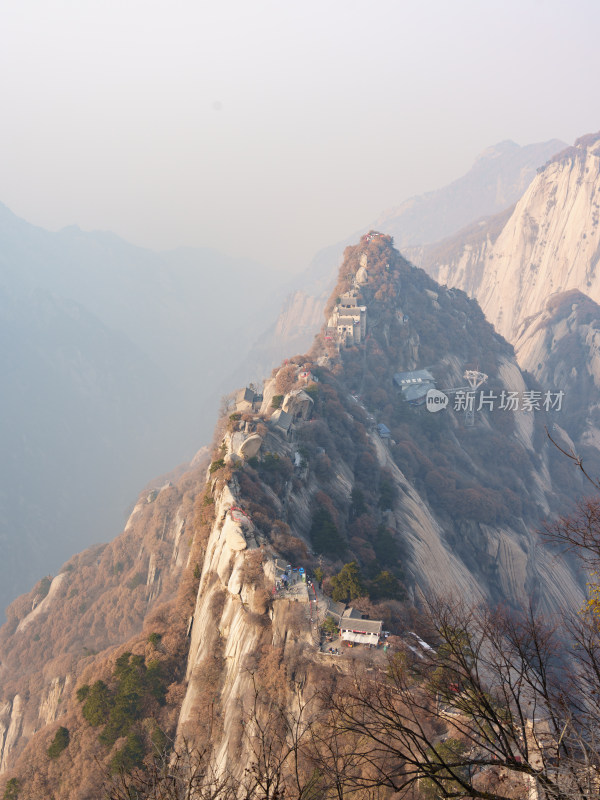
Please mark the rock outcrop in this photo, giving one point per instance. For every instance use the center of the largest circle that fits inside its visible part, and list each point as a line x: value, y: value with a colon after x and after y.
x: 561, y: 346
x: 549, y: 244
x: 11, y: 726
x: 497, y: 179
x: 101, y: 599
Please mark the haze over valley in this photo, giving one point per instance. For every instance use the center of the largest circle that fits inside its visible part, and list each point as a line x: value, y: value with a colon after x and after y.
x: 299, y: 416
x: 160, y: 337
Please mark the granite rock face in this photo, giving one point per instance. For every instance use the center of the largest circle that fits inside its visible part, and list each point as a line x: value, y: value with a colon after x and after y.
x: 550, y: 243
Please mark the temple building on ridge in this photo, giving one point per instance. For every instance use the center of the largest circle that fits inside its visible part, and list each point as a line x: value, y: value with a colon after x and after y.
x: 348, y: 321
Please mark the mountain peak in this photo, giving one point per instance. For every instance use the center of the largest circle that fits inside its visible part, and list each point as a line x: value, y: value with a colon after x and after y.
x: 587, y: 140
x: 588, y: 143
x: 497, y: 150
x: 548, y: 244
x: 496, y: 180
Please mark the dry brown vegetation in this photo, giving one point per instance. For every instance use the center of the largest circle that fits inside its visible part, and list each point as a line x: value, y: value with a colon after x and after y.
x: 252, y: 572
x: 286, y: 379
x: 101, y: 605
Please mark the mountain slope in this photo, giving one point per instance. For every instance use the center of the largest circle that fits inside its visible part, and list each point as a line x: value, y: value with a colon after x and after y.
x: 550, y: 243
x: 306, y: 477
x: 496, y: 180
x: 65, y: 632
x: 561, y: 346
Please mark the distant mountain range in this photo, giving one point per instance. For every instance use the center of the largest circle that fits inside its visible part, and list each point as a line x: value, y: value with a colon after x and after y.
x: 535, y: 270
x: 113, y: 362
x: 496, y: 180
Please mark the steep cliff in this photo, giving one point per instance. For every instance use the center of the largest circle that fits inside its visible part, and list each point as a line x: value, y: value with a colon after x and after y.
x: 561, y: 346
x: 75, y: 626
x: 549, y: 244
x: 181, y: 628
x: 496, y: 180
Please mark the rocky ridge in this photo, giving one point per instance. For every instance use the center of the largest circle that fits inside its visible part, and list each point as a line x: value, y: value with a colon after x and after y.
x: 328, y: 465
x: 497, y: 179
x: 549, y: 244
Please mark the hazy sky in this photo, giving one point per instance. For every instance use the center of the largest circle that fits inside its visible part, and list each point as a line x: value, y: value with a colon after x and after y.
x: 271, y: 129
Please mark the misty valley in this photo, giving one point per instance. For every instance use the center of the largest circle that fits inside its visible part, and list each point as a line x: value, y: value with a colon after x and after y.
x: 330, y: 538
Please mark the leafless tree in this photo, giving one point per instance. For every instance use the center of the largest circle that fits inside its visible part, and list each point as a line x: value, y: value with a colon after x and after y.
x: 335, y: 751
x: 183, y: 773
x: 578, y: 532
x: 278, y: 762
x: 276, y: 739
x: 502, y: 707
x: 497, y: 710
